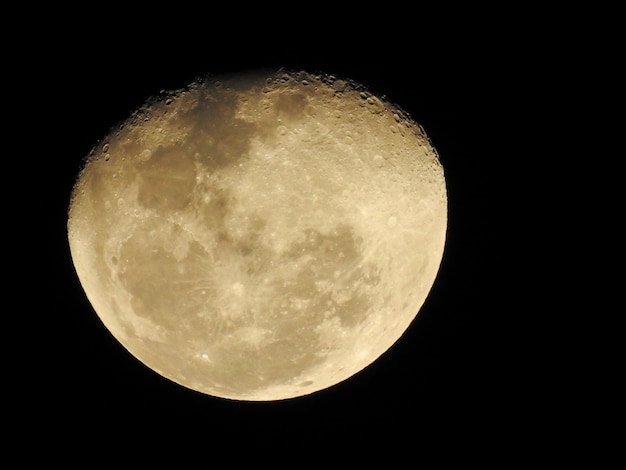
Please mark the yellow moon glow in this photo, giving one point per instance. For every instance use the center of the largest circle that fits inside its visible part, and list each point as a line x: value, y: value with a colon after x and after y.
x: 260, y: 236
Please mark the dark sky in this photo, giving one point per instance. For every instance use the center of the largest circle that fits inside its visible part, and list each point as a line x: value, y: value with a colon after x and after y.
x: 449, y: 378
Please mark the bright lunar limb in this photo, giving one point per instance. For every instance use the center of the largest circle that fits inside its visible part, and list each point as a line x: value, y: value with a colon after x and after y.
x: 261, y: 236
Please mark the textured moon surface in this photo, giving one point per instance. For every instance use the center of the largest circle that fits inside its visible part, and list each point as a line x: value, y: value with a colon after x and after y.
x: 260, y: 236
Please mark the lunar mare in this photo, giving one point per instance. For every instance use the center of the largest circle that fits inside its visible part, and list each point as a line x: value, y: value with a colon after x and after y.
x: 260, y: 237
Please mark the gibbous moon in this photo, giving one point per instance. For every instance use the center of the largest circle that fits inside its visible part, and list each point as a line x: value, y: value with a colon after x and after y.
x: 260, y: 237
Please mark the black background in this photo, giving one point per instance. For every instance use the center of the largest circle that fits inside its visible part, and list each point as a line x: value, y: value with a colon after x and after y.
x: 453, y: 385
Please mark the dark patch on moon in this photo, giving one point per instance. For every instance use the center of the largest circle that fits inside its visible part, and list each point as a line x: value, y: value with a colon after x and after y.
x: 214, y: 133
x: 291, y: 105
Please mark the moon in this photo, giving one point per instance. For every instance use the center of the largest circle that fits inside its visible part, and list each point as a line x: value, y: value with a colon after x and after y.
x: 260, y: 236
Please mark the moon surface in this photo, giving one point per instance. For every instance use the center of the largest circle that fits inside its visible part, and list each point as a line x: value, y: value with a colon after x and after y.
x: 260, y: 236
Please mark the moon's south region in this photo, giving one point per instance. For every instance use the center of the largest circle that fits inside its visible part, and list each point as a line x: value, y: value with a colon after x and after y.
x: 261, y: 236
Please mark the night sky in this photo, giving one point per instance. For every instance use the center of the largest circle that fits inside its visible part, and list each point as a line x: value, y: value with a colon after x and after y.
x: 449, y: 379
